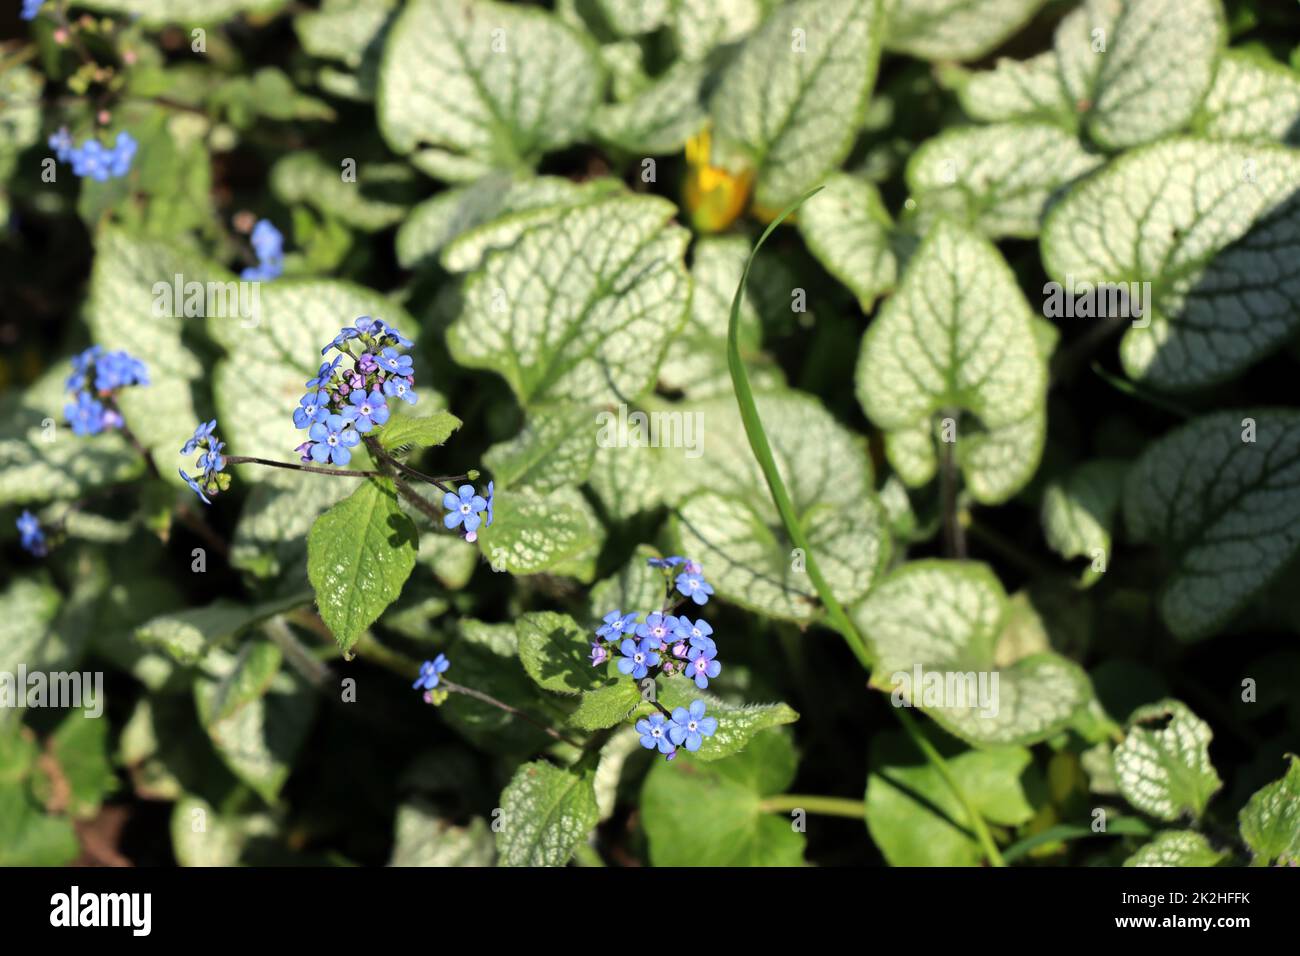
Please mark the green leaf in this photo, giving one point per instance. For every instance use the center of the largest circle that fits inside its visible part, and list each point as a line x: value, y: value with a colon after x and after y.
x: 606, y: 706
x: 1177, y: 848
x: 738, y: 724
x: 1223, y: 510
x: 377, y: 198
x: 79, y: 749
x: 271, y: 537
x: 469, y: 87
x: 914, y: 817
x: 795, y: 95
x: 555, y: 651
x: 1138, y: 69
x: 132, y: 280
x: 696, y: 363
x: 424, y: 838
x: 531, y: 534
x: 659, y: 119
x: 633, y: 17
x: 546, y: 811
x: 955, y: 29
x: 359, y: 555
x: 600, y: 340
x: 204, y: 836
x: 1214, y: 241
x: 28, y: 610
x: 726, y: 825
x: 1078, y: 511
x: 1016, y: 90
x: 428, y: 432
x: 30, y: 838
x: 344, y: 30
x: 438, y: 221
x: 1163, y: 764
x: 1253, y: 98
x: 700, y: 26
x: 156, y: 13
x: 1270, y: 820
x: 20, y: 126
x: 947, y: 618
x: 734, y: 530
x: 40, y: 458
x: 554, y: 449
x: 958, y: 334
x: 187, y: 635
x: 270, y: 359
x: 997, y: 178
x: 848, y: 229
x: 257, y: 715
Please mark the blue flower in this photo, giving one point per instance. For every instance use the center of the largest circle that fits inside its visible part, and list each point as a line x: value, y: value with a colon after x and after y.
x: 123, y: 152
x: 617, y: 624
x: 60, y: 142
x: 398, y: 387
x: 637, y: 658
x: 702, y: 666
x: 333, y: 437
x: 694, y: 587
x: 30, y: 8
x: 81, y: 365
x: 198, y: 490
x: 658, y: 628
x: 697, y: 632
x: 262, y: 272
x: 212, y: 461
x: 430, y: 671
x: 201, y: 435
x: 691, y: 726
x: 490, y: 497
x: 398, y: 337
x: 115, y: 370
x: 268, y: 242
x: 394, y: 363
x: 463, y: 509
x: 654, y: 733
x: 367, y: 411
x: 86, y: 416
x: 344, y: 336
x: 93, y: 160
x: 669, y: 562
x: 325, y: 373
x: 32, y: 537
x: 312, y: 408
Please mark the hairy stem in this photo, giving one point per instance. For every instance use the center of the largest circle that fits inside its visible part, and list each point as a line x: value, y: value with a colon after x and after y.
x: 295, y: 466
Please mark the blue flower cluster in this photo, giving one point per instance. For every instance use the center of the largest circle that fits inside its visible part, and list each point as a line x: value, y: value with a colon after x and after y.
x: 342, y: 404
x: 465, y: 509
x: 97, y: 376
x: 663, y: 639
x: 92, y: 158
x: 268, y: 246
x: 686, y: 727
x: 31, y: 8
x: 211, y: 463
x: 32, y: 536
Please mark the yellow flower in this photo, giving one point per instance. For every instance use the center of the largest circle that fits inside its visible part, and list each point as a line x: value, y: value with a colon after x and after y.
x: 715, y: 196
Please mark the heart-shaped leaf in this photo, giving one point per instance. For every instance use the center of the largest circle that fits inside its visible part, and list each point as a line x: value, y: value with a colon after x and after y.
x: 957, y: 335
x: 1218, y: 497
x: 1270, y: 820
x: 1180, y: 848
x: 955, y: 29
x: 546, y: 811
x: 849, y: 230
x: 1163, y: 764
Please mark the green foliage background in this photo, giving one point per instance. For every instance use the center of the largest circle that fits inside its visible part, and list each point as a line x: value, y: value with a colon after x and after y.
x: 557, y: 203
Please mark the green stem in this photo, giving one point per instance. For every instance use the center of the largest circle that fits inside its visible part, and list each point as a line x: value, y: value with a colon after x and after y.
x: 1124, y: 826
x: 827, y: 806
x: 936, y: 759
x: 835, y: 614
x: 584, y: 854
